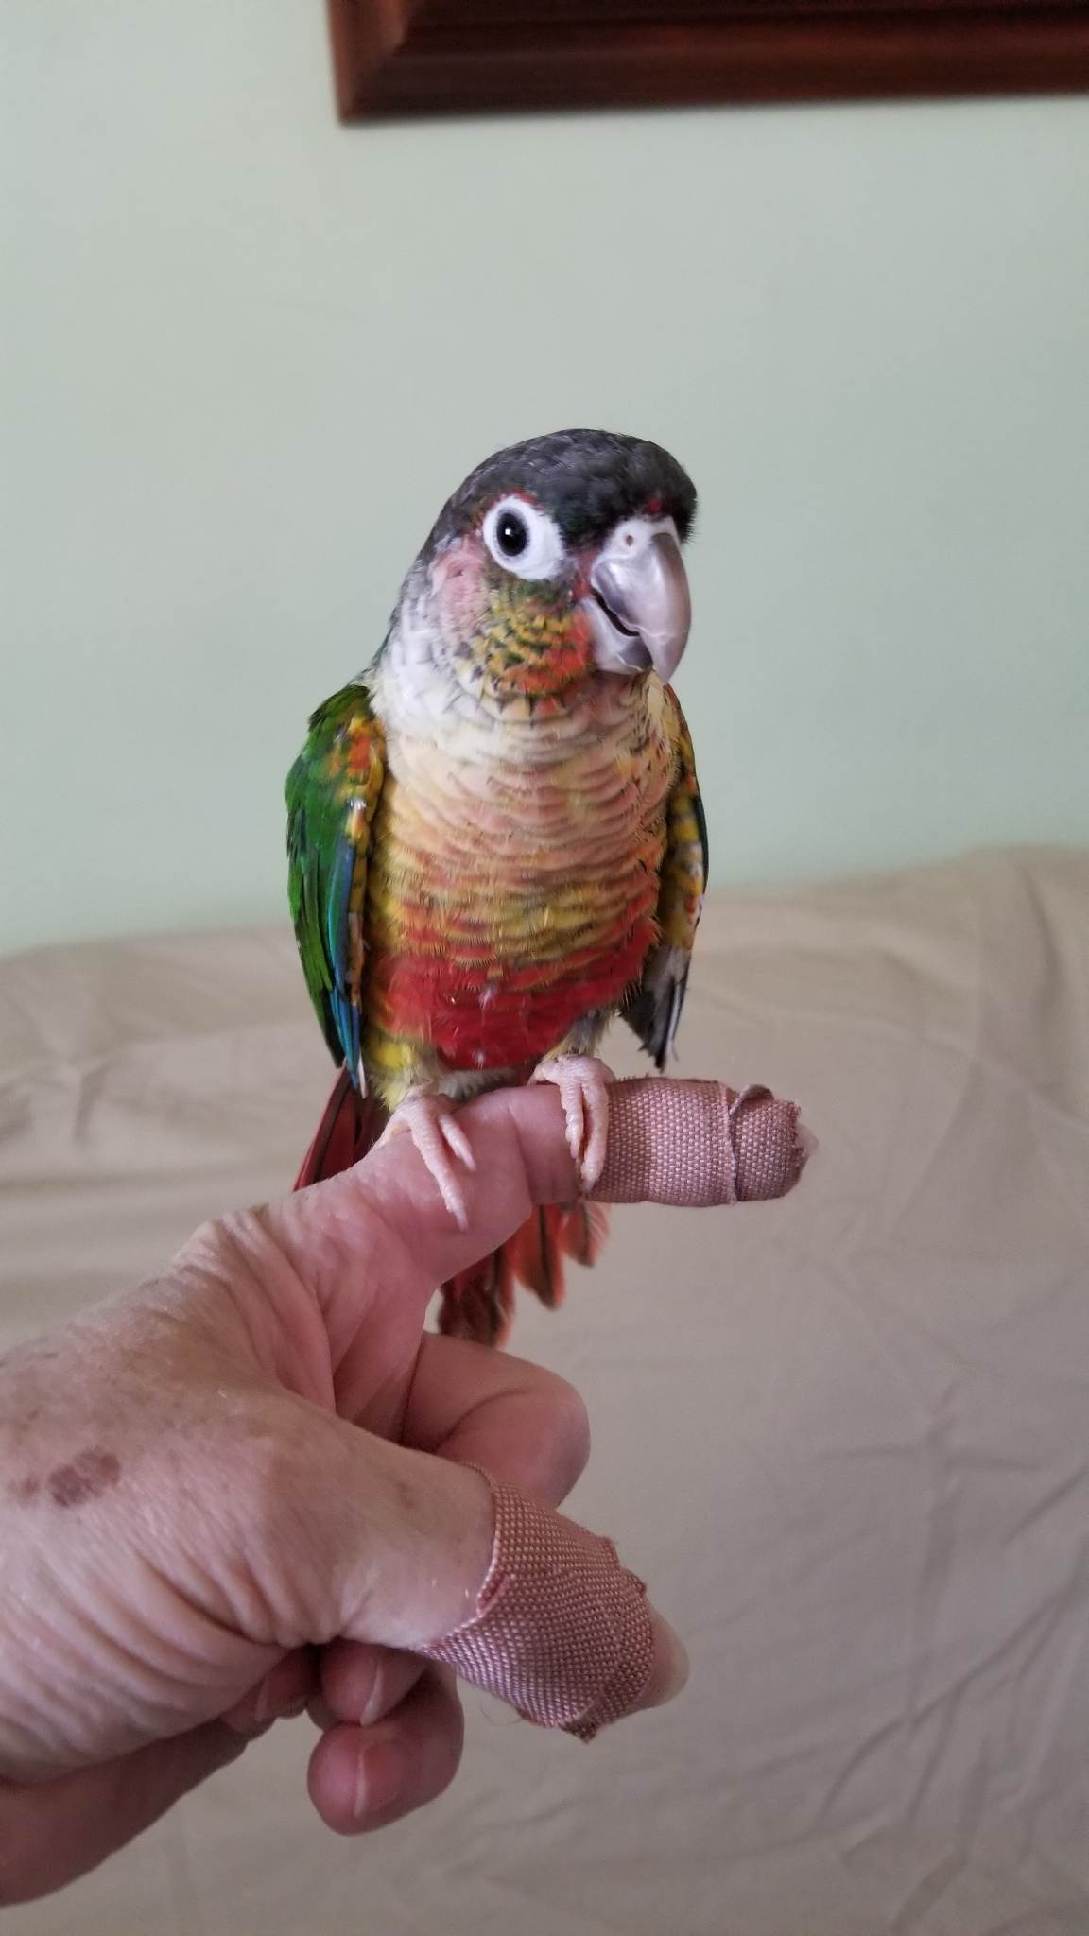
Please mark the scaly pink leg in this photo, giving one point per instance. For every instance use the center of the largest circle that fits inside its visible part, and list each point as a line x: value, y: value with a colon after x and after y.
x: 583, y: 1083
x: 431, y: 1123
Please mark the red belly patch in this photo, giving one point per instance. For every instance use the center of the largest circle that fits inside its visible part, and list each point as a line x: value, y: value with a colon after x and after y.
x: 500, y: 1015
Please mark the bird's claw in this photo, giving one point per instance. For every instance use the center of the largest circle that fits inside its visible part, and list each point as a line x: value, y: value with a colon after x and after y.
x: 583, y: 1082
x: 441, y: 1142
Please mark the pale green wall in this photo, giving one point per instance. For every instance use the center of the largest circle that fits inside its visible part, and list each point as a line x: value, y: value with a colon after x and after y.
x: 251, y: 352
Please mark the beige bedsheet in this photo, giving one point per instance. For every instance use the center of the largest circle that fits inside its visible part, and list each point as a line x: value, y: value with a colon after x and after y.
x: 845, y: 1437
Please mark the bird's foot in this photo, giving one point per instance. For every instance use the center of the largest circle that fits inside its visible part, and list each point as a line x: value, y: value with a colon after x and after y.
x: 443, y: 1144
x: 583, y: 1083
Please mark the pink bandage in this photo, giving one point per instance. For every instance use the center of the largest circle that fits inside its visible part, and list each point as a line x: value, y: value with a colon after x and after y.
x: 562, y: 1631
x: 699, y: 1143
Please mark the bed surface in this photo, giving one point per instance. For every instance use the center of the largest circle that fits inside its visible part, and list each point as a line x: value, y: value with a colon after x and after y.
x: 844, y: 1437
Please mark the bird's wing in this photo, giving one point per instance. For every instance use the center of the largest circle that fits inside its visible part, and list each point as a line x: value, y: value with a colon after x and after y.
x: 654, y: 1008
x: 333, y: 791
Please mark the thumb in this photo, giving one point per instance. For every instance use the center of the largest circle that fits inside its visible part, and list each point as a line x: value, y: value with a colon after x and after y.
x: 437, y: 1559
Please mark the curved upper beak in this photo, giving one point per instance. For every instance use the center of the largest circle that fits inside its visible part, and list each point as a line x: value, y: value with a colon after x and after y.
x: 639, y: 606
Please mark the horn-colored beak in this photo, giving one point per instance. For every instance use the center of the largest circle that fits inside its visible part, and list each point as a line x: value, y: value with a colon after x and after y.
x: 640, y: 607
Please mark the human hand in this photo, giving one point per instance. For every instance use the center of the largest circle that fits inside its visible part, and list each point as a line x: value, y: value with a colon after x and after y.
x: 243, y: 1488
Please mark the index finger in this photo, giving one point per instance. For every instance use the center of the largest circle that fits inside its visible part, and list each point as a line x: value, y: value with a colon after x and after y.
x: 378, y: 1238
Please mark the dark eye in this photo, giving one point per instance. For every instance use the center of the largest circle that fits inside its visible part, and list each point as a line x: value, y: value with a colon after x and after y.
x: 511, y: 534
x: 523, y: 539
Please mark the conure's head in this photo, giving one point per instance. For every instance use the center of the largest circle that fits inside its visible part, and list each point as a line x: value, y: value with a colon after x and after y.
x: 555, y: 560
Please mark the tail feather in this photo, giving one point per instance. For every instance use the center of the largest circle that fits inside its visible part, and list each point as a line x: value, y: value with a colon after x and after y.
x: 534, y: 1256
x: 350, y: 1125
x: 583, y: 1230
x: 478, y: 1302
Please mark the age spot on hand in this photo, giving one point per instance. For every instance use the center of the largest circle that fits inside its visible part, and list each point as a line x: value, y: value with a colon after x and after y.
x: 86, y: 1476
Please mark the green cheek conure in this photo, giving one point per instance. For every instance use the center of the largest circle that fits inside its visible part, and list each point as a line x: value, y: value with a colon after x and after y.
x: 495, y: 835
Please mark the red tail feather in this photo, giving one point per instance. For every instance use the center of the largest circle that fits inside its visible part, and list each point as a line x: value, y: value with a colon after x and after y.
x: 477, y: 1303
x: 350, y: 1125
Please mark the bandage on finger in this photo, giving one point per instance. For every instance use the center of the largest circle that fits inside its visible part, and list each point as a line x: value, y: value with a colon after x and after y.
x: 695, y: 1144
x: 561, y: 1630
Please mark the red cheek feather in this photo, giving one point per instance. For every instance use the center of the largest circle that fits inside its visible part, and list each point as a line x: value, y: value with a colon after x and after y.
x: 457, y: 576
x: 457, y: 562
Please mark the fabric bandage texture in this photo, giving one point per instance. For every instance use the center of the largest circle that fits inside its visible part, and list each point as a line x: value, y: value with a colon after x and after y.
x: 695, y: 1144
x: 561, y: 1631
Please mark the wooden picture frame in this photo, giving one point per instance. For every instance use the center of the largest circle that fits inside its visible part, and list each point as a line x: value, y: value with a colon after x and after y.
x: 413, y: 57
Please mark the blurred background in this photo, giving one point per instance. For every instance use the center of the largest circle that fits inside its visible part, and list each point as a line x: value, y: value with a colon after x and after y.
x: 250, y: 352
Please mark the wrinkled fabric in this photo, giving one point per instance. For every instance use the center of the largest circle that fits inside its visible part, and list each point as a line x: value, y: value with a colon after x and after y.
x: 844, y: 1437
x: 561, y: 1630
x: 699, y: 1145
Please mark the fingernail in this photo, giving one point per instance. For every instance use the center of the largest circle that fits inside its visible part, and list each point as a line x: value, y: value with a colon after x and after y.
x: 381, y: 1776
x: 670, y: 1670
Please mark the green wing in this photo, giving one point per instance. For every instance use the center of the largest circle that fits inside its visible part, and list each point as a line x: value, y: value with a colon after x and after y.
x: 654, y: 1008
x: 333, y: 791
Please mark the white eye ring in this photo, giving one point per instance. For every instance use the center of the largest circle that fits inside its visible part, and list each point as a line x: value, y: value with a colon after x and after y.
x: 542, y: 554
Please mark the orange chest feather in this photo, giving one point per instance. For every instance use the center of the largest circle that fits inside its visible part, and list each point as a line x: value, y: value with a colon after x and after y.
x: 506, y: 903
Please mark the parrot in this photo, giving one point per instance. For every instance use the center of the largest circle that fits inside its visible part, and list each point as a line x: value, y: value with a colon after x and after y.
x: 496, y: 842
